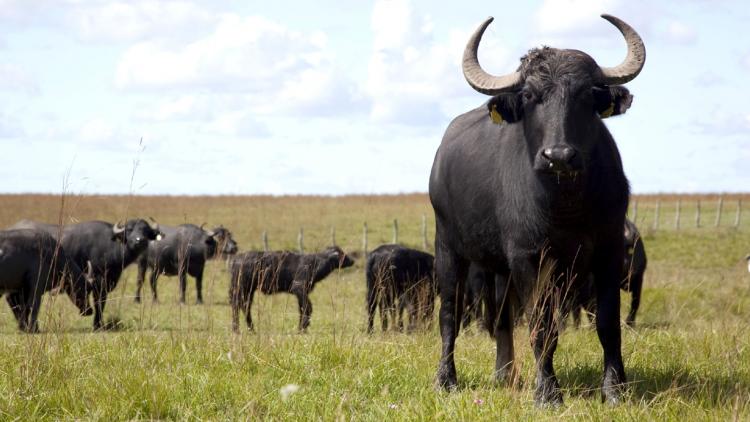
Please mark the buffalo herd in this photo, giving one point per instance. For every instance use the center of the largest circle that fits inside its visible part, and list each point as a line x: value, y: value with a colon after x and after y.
x: 529, y: 196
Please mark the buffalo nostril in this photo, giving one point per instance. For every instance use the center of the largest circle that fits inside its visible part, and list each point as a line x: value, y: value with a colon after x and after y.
x: 558, y: 155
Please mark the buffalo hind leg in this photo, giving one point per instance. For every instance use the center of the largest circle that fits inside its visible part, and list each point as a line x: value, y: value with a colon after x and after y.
x: 199, y: 287
x: 635, y: 301
x: 183, y: 285
x: 17, y: 305
x: 451, y: 271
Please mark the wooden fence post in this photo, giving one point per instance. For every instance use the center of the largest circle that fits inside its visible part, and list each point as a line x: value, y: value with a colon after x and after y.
x: 265, y: 241
x: 364, y: 239
x: 718, y: 211
x: 424, y: 232
x: 333, y: 236
x: 301, y: 240
x: 656, y: 214
x: 677, y: 214
x: 738, y: 214
x: 395, y: 231
x: 698, y: 214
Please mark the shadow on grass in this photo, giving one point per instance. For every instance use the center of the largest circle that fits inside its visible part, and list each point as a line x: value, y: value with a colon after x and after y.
x: 646, y: 384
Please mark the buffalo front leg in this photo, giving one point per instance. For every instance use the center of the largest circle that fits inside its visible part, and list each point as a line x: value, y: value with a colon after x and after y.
x: 451, y: 271
x: 305, y: 310
x: 152, y: 281
x: 543, y: 333
x: 139, y: 282
x: 100, y: 298
x: 608, y: 324
x: 505, y: 371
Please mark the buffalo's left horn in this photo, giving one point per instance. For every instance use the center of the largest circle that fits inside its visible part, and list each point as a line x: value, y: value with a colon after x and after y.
x: 118, y: 228
x: 476, y: 76
x: 633, y: 63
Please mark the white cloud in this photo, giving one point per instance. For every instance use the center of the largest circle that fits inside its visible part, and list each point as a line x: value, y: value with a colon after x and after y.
x: 411, y: 74
x: 14, y: 78
x: 745, y: 61
x: 269, y: 67
x: 132, y: 20
x: 571, y: 16
x: 680, y: 33
x: 10, y: 127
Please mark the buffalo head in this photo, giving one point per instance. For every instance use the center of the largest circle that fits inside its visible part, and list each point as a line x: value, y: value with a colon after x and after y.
x: 559, y: 96
x: 135, y: 234
x: 344, y: 260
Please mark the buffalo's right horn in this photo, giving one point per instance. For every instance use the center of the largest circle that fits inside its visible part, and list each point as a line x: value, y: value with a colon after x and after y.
x: 153, y: 224
x: 476, y: 76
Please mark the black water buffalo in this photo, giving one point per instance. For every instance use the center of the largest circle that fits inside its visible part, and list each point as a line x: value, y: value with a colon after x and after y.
x: 531, y: 186
x: 633, y: 269
x: 183, y: 251
x: 109, y: 247
x: 31, y: 263
x: 400, y: 277
x: 280, y: 271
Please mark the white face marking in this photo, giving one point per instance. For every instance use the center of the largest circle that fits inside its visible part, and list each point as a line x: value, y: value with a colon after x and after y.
x: 158, y: 237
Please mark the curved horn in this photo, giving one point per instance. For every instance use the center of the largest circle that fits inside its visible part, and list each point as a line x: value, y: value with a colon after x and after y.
x: 476, y: 76
x: 153, y: 224
x: 118, y: 228
x: 633, y: 63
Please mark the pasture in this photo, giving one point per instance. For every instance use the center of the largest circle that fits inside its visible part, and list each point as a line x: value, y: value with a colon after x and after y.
x: 688, y: 357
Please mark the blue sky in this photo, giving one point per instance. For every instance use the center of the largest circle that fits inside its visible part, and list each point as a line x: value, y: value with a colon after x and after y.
x: 331, y: 97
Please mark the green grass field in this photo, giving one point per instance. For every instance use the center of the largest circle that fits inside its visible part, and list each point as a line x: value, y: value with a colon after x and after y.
x: 688, y: 358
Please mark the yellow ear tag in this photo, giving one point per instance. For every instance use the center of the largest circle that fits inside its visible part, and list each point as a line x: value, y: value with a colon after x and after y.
x: 608, y: 112
x: 495, y: 116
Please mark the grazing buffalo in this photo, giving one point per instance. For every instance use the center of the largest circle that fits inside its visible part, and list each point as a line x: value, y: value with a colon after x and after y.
x: 633, y: 269
x: 183, y: 251
x: 280, y: 271
x: 31, y: 263
x: 109, y: 247
x: 530, y: 186
x: 403, y: 277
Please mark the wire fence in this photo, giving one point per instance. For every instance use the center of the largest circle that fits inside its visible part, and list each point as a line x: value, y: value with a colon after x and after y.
x: 684, y: 214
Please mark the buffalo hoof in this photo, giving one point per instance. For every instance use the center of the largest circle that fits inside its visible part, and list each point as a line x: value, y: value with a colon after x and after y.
x: 446, y: 379
x: 612, y: 388
x: 548, y: 394
x: 199, y: 301
x: 508, y: 376
x: 137, y: 299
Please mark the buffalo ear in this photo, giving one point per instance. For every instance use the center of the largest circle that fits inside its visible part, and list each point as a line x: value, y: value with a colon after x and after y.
x: 611, y: 100
x: 505, y: 108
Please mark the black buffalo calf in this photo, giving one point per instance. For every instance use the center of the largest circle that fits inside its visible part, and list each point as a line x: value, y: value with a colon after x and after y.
x: 277, y: 272
x: 400, y: 277
x: 184, y: 250
x: 633, y: 269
